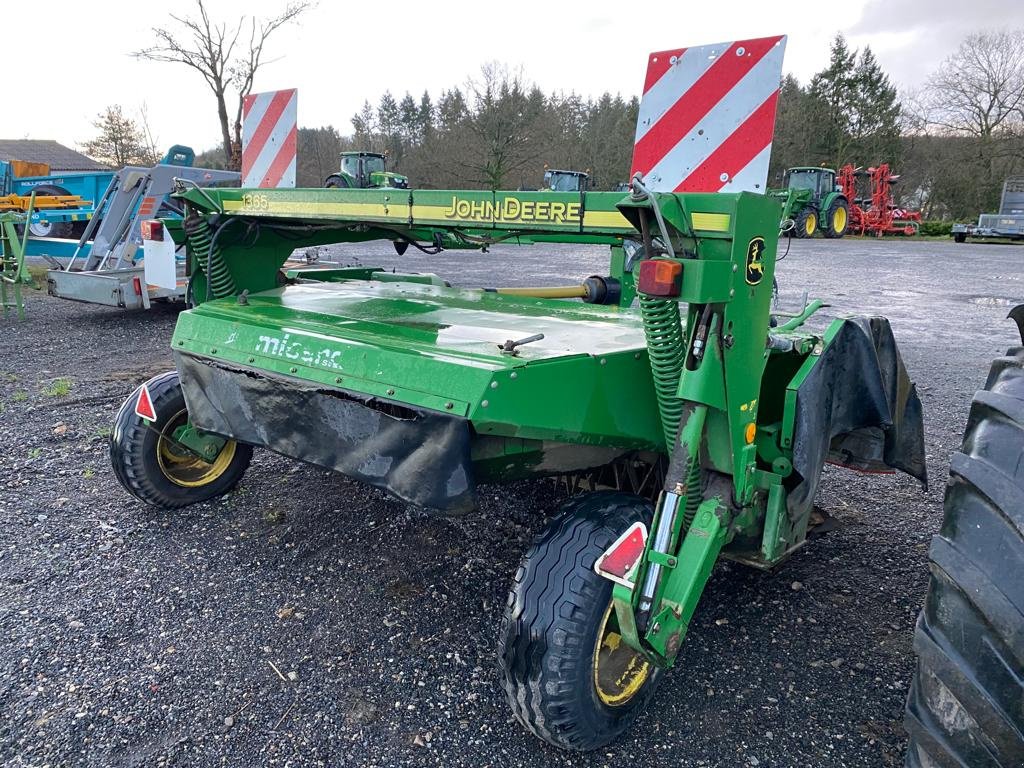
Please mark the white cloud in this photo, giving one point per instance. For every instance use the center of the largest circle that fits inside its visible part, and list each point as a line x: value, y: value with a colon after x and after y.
x: 343, y: 53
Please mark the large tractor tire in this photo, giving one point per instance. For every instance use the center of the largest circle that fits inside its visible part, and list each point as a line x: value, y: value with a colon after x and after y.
x: 567, y: 676
x: 966, y: 702
x: 61, y: 229
x: 337, y: 181
x: 837, y: 219
x: 156, y: 469
x: 805, y: 222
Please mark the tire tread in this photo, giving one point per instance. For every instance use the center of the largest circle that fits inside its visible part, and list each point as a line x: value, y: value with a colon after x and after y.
x: 552, y: 593
x: 966, y: 700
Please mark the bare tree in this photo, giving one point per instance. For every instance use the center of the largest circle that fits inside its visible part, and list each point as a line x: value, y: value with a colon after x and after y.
x: 979, y: 89
x: 120, y: 140
x: 146, y: 130
x: 977, y: 96
x: 502, y: 126
x: 220, y: 54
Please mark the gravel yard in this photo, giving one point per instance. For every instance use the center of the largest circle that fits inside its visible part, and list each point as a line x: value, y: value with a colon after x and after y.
x: 309, y: 620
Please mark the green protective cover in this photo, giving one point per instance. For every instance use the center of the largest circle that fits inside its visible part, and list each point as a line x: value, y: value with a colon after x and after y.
x: 437, y: 348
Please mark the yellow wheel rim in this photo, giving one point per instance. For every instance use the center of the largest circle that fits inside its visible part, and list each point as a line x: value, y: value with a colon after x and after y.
x: 184, y: 468
x: 839, y: 219
x: 619, y: 671
x: 811, y: 224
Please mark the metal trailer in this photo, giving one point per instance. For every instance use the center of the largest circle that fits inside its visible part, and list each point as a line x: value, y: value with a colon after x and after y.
x: 79, y: 195
x: 22, y: 180
x: 1008, y: 224
x: 107, y: 264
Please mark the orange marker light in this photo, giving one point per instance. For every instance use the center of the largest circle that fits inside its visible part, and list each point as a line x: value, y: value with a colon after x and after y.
x: 660, y: 277
x: 750, y: 433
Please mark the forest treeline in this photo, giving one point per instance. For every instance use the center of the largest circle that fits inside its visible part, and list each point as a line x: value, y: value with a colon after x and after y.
x: 953, y: 140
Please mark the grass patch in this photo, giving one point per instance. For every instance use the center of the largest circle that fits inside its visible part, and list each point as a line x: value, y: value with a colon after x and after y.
x: 19, y: 396
x: 35, y: 453
x: 38, y: 275
x: 59, y: 387
x: 89, y: 472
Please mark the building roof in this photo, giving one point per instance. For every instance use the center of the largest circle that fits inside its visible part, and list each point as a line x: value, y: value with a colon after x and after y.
x: 57, y: 156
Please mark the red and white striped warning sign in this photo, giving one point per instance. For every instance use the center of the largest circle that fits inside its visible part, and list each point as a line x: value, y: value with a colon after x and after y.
x: 269, y: 128
x: 707, y: 116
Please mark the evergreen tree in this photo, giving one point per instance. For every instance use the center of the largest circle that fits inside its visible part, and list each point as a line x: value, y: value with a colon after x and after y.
x: 119, y: 141
x: 408, y: 119
x: 425, y: 116
x: 451, y: 109
x: 365, y: 124
x: 875, y: 124
x: 833, y: 94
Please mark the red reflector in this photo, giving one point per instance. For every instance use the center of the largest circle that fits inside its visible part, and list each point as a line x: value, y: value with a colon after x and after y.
x: 620, y: 558
x: 137, y: 285
x: 660, y: 277
x: 144, y: 405
x: 153, y: 230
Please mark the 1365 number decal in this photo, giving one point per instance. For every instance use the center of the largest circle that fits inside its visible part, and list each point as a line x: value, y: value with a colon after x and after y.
x: 253, y: 201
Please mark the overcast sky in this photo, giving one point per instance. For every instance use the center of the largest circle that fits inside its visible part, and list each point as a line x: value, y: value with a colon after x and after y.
x: 79, y: 54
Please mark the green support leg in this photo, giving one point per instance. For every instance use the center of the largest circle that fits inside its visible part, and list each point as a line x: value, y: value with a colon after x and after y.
x: 13, y: 272
x: 685, y: 582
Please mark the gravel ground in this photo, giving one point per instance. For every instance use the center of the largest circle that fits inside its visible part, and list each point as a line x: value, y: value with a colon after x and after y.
x: 308, y: 620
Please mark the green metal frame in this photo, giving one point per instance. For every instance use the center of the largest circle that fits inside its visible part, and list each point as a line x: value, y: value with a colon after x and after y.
x: 13, y: 272
x: 725, y: 492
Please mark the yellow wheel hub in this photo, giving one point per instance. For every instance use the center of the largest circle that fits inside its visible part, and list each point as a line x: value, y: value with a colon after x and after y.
x: 811, y: 224
x: 839, y: 219
x: 184, y: 468
x: 619, y: 671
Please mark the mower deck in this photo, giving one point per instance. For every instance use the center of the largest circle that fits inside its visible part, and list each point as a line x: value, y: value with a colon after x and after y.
x: 442, y: 321
x: 416, y: 370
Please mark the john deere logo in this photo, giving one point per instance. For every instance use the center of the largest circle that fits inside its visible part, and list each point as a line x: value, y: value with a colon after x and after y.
x: 755, y: 261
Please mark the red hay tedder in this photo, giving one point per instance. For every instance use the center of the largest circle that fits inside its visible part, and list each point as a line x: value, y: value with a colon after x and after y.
x: 876, y: 214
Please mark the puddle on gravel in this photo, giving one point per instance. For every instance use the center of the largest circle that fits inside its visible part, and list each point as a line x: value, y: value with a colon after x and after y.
x: 993, y: 301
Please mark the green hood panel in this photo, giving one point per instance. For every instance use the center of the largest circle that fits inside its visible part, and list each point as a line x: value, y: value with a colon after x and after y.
x: 587, y: 380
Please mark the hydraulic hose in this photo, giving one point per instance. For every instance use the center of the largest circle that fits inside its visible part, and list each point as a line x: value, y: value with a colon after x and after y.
x: 202, y: 242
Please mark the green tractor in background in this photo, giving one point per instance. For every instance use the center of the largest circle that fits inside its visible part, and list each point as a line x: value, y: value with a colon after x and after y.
x: 365, y: 170
x: 814, y: 201
x: 565, y: 181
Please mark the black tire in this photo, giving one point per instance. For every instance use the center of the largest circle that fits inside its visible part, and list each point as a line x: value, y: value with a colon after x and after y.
x: 139, y: 465
x: 966, y: 701
x: 959, y: 237
x: 556, y: 609
x: 829, y: 229
x: 805, y: 222
x: 336, y: 181
x: 51, y: 229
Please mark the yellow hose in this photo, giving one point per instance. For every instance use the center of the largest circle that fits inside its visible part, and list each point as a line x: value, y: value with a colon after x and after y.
x: 557, y: 292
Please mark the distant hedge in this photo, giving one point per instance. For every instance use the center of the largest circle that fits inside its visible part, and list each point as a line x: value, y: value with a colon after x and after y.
x: 936, y: 228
